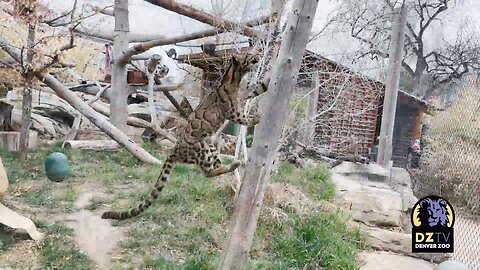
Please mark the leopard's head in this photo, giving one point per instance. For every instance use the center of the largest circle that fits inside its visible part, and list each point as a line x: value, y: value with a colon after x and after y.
x: 239, y: 65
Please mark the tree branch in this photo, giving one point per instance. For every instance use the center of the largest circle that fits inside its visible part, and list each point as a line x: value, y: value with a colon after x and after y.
x: 143, y: 47
x: 203, y: 16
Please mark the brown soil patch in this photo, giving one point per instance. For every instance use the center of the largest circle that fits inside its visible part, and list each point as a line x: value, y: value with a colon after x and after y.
x: 96, y: 237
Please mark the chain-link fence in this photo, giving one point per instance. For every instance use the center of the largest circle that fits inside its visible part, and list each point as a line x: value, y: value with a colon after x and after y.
x: 450, y: 167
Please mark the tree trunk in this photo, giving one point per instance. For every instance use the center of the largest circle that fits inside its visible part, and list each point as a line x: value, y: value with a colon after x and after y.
x: 27, y: 95
x: 118, y: 100
x: 9, y: 140
x: 391, y: 90
x: 247, y: 205
x: 420, y: 67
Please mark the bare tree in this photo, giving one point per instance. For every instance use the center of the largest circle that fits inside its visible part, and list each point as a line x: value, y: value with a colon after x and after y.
x: 118, y: 113
x: 247, y: 205
x: 391, y: 89
x: 370, y: 23
x: 27, y: 11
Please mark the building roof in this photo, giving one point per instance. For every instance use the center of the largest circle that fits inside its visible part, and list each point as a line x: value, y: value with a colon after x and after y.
x: 407, y: 95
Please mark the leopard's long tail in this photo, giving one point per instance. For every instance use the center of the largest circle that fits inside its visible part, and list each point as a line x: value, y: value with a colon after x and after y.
x: 159, y: 185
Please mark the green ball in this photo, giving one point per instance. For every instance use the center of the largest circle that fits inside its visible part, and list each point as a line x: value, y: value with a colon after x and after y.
x: 57, y: 167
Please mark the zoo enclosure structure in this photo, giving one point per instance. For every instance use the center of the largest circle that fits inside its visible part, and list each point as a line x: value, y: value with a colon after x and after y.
x: 349, y: 105
x: 350, y: 112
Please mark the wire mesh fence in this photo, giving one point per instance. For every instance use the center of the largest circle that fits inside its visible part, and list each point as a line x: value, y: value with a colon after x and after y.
x: 450, y: 167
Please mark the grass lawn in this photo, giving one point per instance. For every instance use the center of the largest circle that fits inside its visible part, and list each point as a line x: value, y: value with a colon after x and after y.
x: 184, y: 229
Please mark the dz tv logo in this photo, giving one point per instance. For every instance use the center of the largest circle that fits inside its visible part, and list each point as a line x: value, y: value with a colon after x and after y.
x: 432, y: 219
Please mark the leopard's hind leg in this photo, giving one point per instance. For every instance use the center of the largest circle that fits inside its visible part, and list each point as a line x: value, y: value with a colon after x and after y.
x: 211, y: 164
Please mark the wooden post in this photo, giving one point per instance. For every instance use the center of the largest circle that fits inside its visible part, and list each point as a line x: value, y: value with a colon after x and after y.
x: 118, y: 100
x: 152, y: 65
x: 391, y: 90
x: 312, y: 112
x: 267, y: 134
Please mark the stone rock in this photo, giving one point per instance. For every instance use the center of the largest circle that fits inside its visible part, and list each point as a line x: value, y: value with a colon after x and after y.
x: 45, y: 126
x: 402, y: 183
x: 384, y: 261
x: 372, y: 203
x: 51, y: 115
x: 44, y: 103
x: 386, y: 240
x: 372, y: 172
x: 452, y: 265
x: 397, y: 242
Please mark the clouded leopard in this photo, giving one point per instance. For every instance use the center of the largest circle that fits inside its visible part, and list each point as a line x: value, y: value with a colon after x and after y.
x: 193, y: 140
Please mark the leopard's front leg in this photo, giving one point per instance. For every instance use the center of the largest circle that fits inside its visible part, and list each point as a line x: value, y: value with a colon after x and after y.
x: 258, y: 88
x: 240, y: 118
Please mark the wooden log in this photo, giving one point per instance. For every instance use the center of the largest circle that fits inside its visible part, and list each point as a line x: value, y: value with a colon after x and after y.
x: 75, y: 127
x: 10, y: 140
x: 99, y: 145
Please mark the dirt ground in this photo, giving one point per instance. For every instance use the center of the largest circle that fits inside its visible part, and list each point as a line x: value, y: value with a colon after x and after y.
x: 96, y: 237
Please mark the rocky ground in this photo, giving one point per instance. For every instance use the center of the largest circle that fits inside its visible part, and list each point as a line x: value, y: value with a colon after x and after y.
x: 381, y: 203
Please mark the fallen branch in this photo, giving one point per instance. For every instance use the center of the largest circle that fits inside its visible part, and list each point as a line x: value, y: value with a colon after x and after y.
x: 75, y: 127
x: 332, y: 158
x: 99, y: 93
x: 108, y: 35
x: 102, y: 145
x: 96, y: 119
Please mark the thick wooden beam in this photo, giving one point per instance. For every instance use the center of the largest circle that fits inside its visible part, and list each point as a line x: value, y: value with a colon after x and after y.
x: 203, y: 16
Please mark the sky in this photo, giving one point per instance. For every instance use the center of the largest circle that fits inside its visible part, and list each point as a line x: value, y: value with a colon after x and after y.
x: 148, y: 19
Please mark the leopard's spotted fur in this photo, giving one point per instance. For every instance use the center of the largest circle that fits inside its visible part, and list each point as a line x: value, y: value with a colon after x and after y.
x: 193, y: 141
x: 228, y: 144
